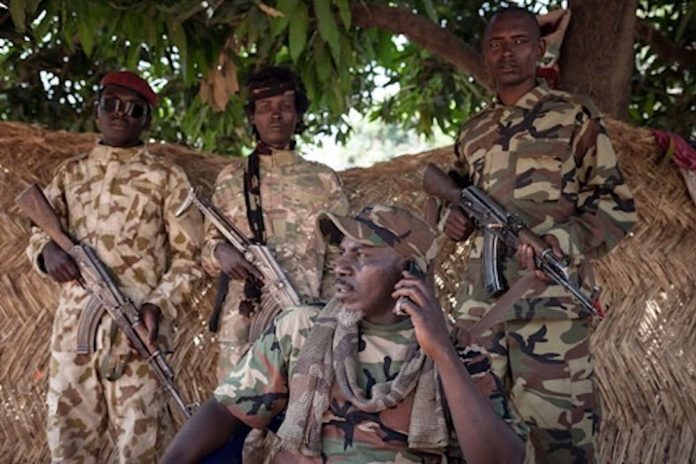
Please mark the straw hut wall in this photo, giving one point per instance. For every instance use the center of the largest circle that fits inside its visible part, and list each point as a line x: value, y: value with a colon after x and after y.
x: 643, y: 351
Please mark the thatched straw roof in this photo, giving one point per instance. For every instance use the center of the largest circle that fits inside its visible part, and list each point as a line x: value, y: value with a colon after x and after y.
x: 644, y: 350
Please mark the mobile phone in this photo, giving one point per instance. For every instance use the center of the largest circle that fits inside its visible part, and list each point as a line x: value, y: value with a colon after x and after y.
x: 415, y: 271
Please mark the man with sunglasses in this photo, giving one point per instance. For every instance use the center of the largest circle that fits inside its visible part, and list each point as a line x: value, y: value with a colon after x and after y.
x: 121, y: 201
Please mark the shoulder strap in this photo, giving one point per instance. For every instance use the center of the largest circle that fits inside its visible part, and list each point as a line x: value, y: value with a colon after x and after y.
x: 252, y: 197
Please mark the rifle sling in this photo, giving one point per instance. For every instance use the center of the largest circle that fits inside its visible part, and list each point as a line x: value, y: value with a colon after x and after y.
x: 506, y: 301
x: 220, y: 296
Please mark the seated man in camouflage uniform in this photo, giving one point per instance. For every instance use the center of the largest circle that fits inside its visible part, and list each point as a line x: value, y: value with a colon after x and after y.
x: 545, y: 156
x: 371, y: 377
x: 121, y: 201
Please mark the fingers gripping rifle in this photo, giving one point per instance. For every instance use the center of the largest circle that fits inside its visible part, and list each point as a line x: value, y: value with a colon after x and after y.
x: 97, y: 280
x: 274, y: 279
x: 501, y: 227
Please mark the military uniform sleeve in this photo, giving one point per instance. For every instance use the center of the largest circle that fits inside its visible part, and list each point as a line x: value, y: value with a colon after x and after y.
x: 338, y: 204
x: 256, y: 389
x: 184, y: 236
x: 55, y: 193
x: 462, y: 169
x: 605, y: 209
x: 225, y: 192
x: 478, y: 365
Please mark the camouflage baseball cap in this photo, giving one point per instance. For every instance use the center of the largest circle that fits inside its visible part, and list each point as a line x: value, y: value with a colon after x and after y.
x: 381, y: 226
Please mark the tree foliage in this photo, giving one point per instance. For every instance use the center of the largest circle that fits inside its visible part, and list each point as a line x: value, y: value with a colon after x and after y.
x: 197, y: 52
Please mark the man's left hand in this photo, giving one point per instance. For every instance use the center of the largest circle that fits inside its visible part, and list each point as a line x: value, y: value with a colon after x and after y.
x: 149, y: 329
x: 420, y: 304
x: 525, y: 256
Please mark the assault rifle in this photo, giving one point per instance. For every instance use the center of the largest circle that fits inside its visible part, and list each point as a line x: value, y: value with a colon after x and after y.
x: 97, y: 281
x: 274, y: 279
x: 502, y: 227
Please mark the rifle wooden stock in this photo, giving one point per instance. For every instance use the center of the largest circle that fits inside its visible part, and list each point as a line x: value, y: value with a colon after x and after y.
x: 36, y: 207
x: 440, y: 185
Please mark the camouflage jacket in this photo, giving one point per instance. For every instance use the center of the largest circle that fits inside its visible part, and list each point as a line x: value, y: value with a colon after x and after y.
x: 257, y: 389
x: 122, y: 203
x: 547, y: 159
x: 293, y: 191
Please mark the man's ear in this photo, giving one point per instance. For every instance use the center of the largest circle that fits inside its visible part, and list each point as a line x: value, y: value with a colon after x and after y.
x: 541, y: 48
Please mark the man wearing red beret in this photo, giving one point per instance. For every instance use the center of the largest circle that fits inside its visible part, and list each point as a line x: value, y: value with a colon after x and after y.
x: 121, y: 201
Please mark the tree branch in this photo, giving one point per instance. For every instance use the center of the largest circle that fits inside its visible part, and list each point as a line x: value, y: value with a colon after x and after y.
x: 664, y: 47
x: 425, y: 33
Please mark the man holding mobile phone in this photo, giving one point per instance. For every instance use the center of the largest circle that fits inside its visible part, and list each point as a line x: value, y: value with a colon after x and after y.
x: 357, y: 382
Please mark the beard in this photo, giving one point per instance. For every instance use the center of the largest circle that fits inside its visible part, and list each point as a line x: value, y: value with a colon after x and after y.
x: 348, y: 318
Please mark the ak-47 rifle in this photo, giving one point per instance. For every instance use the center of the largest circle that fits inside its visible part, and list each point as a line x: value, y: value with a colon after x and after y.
x: 274, y: 279
x: 499, y: 226
x: 96, y: 279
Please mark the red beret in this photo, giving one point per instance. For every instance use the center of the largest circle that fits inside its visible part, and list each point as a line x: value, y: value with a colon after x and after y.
x: 132, y: 82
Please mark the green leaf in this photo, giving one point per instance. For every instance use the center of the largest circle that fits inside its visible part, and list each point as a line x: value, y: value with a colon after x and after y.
x: 278, y: 25
x: 323, y: 62
x: 43, y: 26
x: 133, y: 56
x: 649, y: 104
x: 328, y: 29
x: 684, y: 22
x: 344, y: 12
x: 85, y: 31
x: 31, y: 7
x: 17, y: 10
x: 430, y: 10
x: 178, y: 37
x: 298, y: 31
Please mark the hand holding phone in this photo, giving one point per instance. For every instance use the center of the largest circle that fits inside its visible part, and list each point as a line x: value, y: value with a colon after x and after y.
x: 412, y: 268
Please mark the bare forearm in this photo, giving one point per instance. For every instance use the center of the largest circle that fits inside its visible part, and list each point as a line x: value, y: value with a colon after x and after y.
x: 206, y: 431
x: 483, y: 436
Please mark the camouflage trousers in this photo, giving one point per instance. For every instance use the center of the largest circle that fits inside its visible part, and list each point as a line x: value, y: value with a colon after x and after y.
x: 233, y: 342
x: 83, y: 406
x: 546, y: 366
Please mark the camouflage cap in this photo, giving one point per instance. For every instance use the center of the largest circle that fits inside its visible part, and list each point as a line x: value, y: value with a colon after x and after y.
x: 381, y: 226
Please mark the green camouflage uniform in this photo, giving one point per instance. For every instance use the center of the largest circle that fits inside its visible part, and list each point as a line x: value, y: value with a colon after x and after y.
x: 549, y: 160
x: 257, y: 389
x: 122, y: 203
x: 293, y: 191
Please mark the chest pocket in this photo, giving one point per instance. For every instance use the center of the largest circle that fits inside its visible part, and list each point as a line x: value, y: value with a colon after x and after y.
x: 142, y: 216
x: 538, y: 170
x: 80, y: 198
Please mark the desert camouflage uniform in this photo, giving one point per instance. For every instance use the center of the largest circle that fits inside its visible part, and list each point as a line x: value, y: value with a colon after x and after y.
x: 293, y: 191
x: 257, y: 389
x: 122, y: 203
x: 549, y: 160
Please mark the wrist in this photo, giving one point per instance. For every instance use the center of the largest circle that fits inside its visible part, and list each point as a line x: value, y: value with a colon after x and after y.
x: 444, y: 355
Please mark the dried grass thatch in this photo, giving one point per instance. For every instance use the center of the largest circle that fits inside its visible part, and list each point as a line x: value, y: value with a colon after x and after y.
x: 644, y: 350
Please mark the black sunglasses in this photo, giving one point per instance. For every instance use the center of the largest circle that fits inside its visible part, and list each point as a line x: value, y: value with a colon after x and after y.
x: 132, y: 109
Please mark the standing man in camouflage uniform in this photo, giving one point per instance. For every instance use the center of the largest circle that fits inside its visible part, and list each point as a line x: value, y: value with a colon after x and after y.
x: 274, y: 196
x: 545, y: 156
x: 121, y: 201
x: 358, y: 382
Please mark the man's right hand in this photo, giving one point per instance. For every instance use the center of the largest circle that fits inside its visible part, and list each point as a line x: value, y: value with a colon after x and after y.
x: 458, y: 226
x: 58, y: 264
x: 234, y: 265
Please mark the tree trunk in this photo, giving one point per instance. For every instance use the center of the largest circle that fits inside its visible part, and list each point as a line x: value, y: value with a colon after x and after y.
x: 597, y: 56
